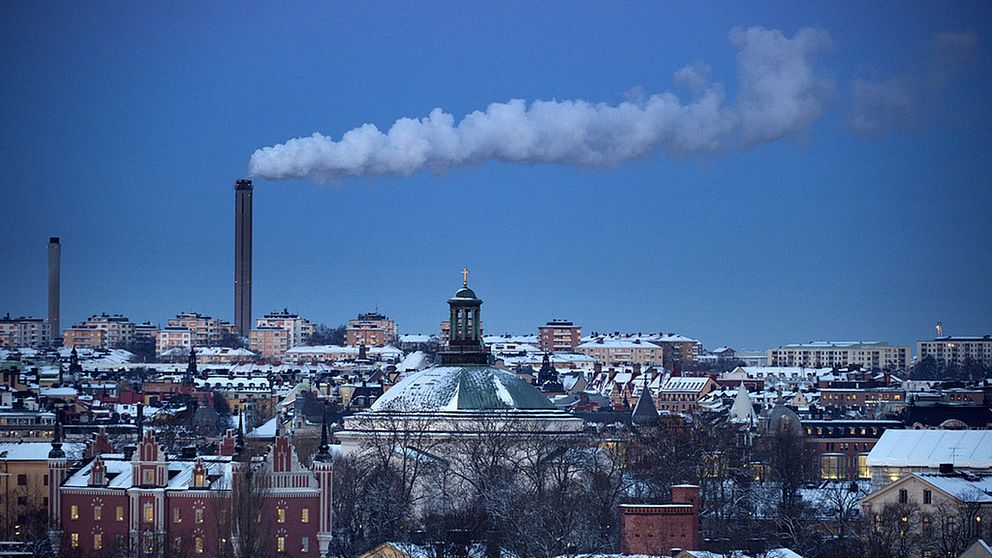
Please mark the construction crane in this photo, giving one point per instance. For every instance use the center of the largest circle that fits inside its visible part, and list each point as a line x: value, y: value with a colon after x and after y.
x: 940, y: 329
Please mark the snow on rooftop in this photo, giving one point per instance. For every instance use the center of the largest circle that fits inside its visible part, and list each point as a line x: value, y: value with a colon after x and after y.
x: 976, y: 489
x: 968, y: 449
x: 37, y: 451
x: 685, y: 383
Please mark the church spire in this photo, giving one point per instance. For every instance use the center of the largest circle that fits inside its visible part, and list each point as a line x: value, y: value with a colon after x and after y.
x: 57, y: 452
x: 323, y: 453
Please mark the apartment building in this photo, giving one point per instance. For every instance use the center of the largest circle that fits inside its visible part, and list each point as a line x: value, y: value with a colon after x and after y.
x: 24, y: 332
x: 620, y: 352
x: 371, y: 329
x: 172, y: 337
x: 206, y: 331
x: 680, y: 394
x: 297, y: 328
x: 100, y: 332
x: 270, y: 341
x: 954, y: 350
x: 559, y: 336
x: 869, y: 355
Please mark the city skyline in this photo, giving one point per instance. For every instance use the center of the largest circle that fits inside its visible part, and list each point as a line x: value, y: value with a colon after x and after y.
x: 776, y: 243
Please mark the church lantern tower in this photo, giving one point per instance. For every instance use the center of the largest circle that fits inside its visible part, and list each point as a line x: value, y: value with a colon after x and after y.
x: 465, y: 345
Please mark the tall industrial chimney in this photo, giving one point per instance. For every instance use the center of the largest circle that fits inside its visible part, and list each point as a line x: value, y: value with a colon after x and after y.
x: 242, y: 256
x: 54, y: 275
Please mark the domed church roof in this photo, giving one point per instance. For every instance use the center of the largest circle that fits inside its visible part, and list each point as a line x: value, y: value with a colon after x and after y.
x: 462, y: 388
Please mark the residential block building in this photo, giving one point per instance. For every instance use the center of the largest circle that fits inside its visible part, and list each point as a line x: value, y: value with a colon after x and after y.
x: 559, y: 336
x: 100, y: 332
x: 296, y: 327
x: 954, y: 350
x: 620, y: 352
x: 868, y: 355
x: 371, y: 329
x: 24, y: 332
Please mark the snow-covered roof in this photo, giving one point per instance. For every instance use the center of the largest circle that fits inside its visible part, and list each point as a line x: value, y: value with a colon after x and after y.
x: 413, y: 361
x: 693, y: 384
x: 180, y: 473
x: 967, y: 449
x: 58, y: 392
x: 266, y: 430
x: 37, y: 451
x: 617, y: 344
x: 415, y: 338
x: 975, y: 489
x: 458, y: 388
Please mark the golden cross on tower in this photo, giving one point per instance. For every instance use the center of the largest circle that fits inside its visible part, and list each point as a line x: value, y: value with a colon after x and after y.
x: 464, y: 276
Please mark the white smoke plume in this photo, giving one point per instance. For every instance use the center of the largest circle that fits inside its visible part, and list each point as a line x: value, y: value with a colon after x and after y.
x: 779, y: 96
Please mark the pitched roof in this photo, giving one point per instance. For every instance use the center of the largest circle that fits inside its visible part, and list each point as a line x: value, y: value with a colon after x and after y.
x: 967, y: 449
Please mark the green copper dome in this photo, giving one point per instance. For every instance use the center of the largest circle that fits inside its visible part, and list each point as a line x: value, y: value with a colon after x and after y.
x: 461, y: 388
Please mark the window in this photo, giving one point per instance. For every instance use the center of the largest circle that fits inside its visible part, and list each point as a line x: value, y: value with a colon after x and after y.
x: 97, y: 541
x: 198, y: 515
x: 22, y: 480
x: 223, y: 517
x: 177, y: 545
x: 74, y: 540
x: 198, y: 545
x: 149, y: 477
x: 119, y: 513
x: 863, y: 471
x: 305, y: 544
x: 177, y: 515
x: 281, y: 515
x: 22, y: 500
x: 305, y: 515
x: 903, y: 496
x: 280, y: 544
x: 44, y: 480
x: 927, y: 527
x: 832, y: 467
x: 149, y: 514
x: 97, y: 512
x: 927, y: 497
x: 74, y: 512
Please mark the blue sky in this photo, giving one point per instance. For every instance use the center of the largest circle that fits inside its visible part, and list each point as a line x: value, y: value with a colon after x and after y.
x: 125, y: 125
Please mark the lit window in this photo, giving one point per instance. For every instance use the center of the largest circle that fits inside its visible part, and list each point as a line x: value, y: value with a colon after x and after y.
x: 832, y: 467
x: 97, y: 541
x: 149, y: 478
x: 97, y: 513
x: 198, y: 515
x: 119, y: 513
x: 199, y: 479
x: 280, y: 544
x: 305, y: 515
x: 281, y: 515
x: 177, y: 515
x: 74, y: 512
x: 149, y: 513
x: 863, y: 471
x: 198, y: 545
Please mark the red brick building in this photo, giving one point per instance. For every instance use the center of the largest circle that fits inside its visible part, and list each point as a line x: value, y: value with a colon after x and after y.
x: 156, y: 505
x: 657, y: 529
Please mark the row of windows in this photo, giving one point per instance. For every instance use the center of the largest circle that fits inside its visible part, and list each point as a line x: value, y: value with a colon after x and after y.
x: 835, y: 467
x: 148, y: 514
